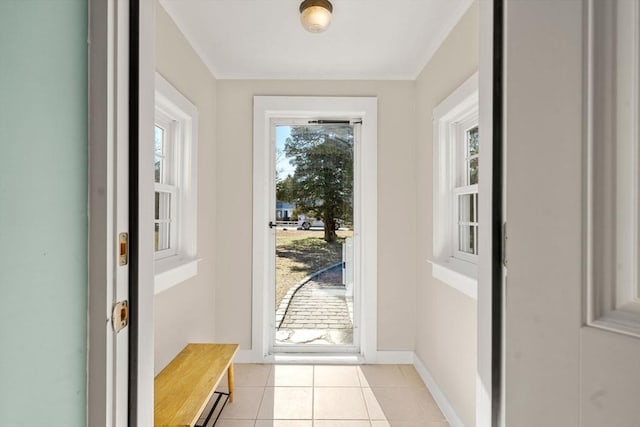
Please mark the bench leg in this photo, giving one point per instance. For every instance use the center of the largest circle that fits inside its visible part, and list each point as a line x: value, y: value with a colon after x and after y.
x: 230, y: 381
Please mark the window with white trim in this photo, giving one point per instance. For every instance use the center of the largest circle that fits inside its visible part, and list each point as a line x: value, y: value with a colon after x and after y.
x: 175, y: 186
x: 456, y: 161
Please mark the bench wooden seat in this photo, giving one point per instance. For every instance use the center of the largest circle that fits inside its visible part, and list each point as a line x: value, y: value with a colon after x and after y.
x: 183, y: 388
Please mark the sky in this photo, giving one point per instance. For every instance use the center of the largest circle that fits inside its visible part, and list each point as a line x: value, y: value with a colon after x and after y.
x: 283, y: 165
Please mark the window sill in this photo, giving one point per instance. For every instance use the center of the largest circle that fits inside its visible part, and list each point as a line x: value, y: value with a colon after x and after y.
x: 172, y: 271
x: 460, y: 275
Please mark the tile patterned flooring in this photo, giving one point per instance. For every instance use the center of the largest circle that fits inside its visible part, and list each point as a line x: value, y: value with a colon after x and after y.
x: 330, y: 396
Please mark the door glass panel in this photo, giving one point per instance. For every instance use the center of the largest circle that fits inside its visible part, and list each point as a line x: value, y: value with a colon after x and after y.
x: 314, y: 235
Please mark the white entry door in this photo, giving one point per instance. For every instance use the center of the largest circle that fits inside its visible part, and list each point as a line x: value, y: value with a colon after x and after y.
x: 572, y: 344
x: 266, y: 110
x: 316, y: 206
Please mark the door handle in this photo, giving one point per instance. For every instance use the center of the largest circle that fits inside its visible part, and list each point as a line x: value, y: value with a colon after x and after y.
x: 272, y: 224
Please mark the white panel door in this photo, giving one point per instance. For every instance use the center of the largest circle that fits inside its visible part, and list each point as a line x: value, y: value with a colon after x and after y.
x: 563, y: 365
x: 317, y: 313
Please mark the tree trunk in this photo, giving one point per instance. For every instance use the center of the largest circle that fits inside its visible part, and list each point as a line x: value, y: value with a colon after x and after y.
x: 330, y: 235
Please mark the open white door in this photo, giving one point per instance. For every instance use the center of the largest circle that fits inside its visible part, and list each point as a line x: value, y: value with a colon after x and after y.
x: 572, y: 79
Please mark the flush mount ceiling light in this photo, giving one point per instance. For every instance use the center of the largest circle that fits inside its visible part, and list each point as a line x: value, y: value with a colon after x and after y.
x: 315, y: 15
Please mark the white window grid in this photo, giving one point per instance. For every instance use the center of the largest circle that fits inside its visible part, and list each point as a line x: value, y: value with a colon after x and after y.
x: 469, y: 225
x: 464, y: 233
x: 166, y: 220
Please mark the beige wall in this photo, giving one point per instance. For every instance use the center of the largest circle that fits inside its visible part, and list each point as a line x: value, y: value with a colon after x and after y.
x: 440, y: 327
x: 396, y: 202
x: 184, y: 313
x: 446, y: 318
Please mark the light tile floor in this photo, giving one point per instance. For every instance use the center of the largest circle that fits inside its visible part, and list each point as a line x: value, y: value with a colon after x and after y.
x: 330, y: 396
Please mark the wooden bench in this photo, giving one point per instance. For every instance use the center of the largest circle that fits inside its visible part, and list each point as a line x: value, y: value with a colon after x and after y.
x: 185, y: 386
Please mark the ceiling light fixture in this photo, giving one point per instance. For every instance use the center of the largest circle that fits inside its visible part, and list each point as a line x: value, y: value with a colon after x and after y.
x: 315, y: 15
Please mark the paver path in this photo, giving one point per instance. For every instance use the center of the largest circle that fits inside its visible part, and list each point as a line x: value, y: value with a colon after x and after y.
x: 318, y: 305
x: 319, y: 313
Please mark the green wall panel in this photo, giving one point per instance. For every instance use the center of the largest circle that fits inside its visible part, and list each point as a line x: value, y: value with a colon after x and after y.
x: 43, y: 212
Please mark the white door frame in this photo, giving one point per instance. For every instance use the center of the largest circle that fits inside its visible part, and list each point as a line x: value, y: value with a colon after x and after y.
x: 108, y: 381
x: 357, y: 214
x: 485, y: 310
x: 108, y: 172
x: 267, y: 108
x: 143, y: 414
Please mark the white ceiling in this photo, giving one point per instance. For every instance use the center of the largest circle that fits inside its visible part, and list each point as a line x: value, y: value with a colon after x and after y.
x: 367, y: 39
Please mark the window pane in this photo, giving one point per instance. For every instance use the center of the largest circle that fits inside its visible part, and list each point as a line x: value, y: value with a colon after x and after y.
x: 468, y: 223
x: 475, y: 239
x: 162, y: 220
x: 163, y: 206
x: 466, y: 208
x: 465, y: 234
x: 159, y: 141
x: 473, y: 146
x: 475, y: 208
x: 473, y: 171
x: 158, y: 147
x: 158, y: 169
x: 162, y: 236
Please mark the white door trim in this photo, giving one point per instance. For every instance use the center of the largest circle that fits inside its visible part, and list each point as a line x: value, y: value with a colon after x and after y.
x: 484, y: 288
x: 265, y: 109
x: 143, y: 414
x: 108, y: 98
x: 108, y: 141
x: 271, y: 285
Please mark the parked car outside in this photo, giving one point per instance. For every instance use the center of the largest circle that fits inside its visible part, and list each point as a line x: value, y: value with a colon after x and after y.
x: 307, y: 223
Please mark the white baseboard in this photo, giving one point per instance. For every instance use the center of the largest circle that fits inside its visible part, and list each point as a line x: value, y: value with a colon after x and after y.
x: 442, y: 401
x: 248, y: 356
x: 392, y: 358
x: 380, y: 357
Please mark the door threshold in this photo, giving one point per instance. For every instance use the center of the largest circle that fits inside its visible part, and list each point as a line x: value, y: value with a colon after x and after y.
x: 316, y: 358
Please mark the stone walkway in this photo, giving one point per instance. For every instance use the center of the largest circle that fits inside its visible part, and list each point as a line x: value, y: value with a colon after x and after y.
x: 319, y: 312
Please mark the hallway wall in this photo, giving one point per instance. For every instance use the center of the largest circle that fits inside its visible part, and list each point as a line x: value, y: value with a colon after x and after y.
x: 43, y: 212
x: 184, y: 313
x: 446, y: 318
x: 396, y: 202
